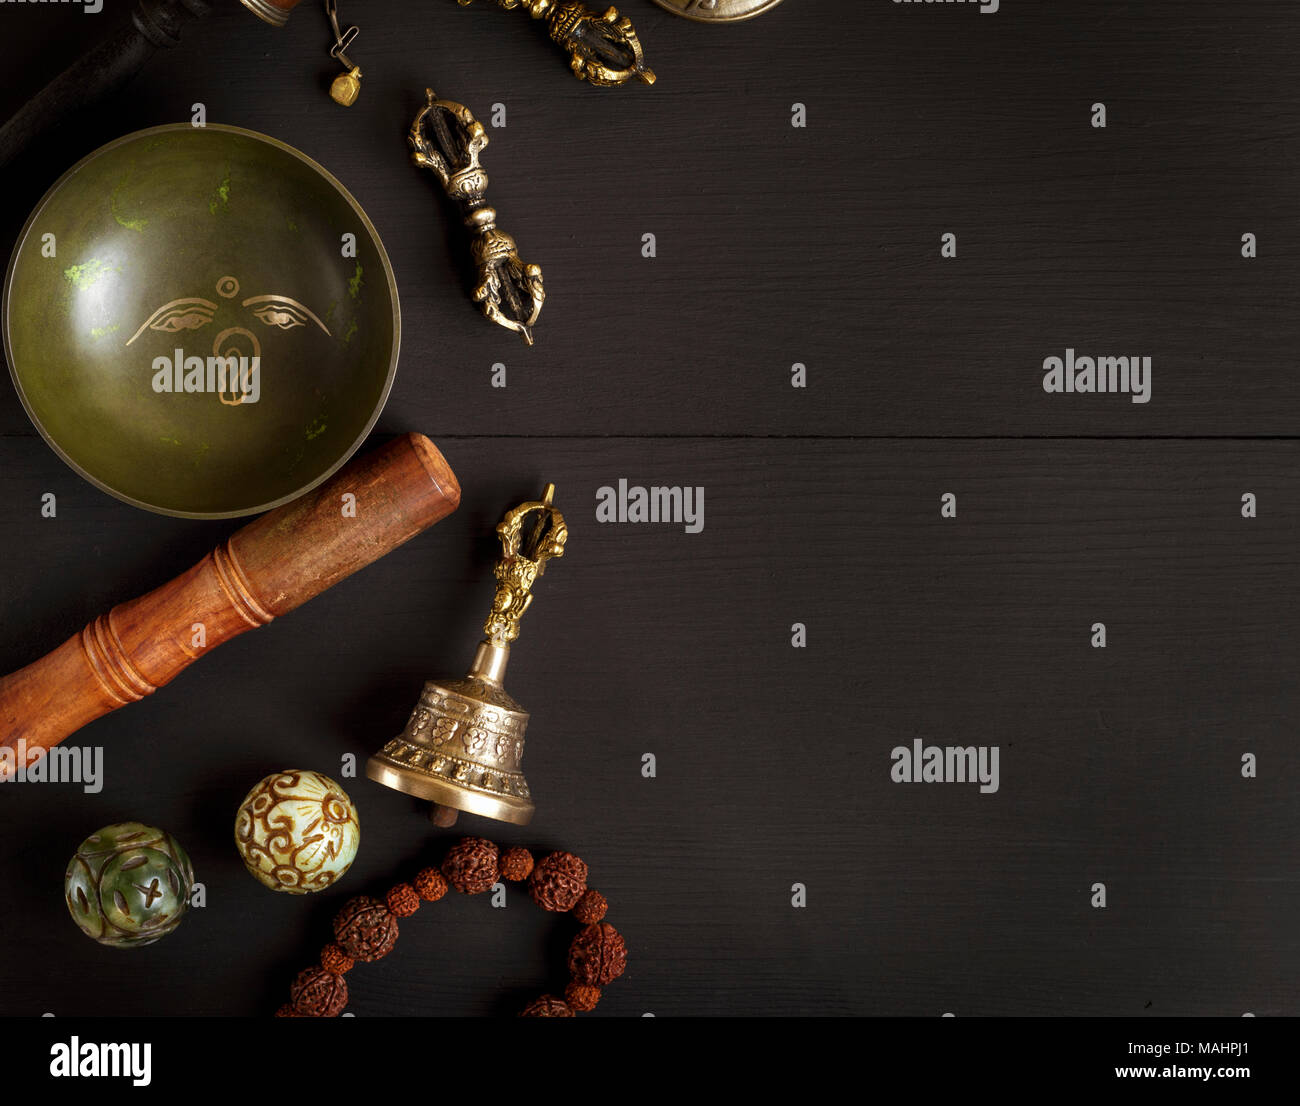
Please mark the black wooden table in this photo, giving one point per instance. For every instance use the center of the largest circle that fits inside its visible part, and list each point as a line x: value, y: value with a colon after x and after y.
x: 829, y: 611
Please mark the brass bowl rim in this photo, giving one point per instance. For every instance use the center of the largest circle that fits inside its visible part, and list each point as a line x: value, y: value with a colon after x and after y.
x: 348, y: 198
x: 733, y: 19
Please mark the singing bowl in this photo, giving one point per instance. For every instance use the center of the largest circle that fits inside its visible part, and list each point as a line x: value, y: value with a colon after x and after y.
x: 145, y: 275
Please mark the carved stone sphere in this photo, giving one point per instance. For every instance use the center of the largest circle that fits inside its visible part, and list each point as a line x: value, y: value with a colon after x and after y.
x: 297, y: 831
x: 128, y: 884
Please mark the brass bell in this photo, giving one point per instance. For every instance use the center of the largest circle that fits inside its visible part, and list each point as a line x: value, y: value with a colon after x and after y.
x: 464, y: 743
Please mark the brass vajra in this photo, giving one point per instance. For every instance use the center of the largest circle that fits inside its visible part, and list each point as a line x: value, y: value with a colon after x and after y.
x: 447, y: 139
x: 603, y: 50
x: 523, y: 561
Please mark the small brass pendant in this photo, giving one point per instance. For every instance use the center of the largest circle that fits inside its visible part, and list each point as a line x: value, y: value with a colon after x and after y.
x: 346, y: 87
x: 464, y: 743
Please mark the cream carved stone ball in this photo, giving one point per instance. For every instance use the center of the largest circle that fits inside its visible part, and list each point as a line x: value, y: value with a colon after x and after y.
x: 297, y: 831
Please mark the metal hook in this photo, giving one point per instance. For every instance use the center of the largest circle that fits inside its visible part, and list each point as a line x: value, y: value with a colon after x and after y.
x: 342, y: 39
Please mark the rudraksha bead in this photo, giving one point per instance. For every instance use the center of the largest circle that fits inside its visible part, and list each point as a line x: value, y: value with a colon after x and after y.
x: 334, y: 959
x: 558, y: 881
x: 548, y: 1006
x: 365, y: 929
x: 598, y: 955
x: 471, y: 865
x: 516, y: 865
x: 402, y: 900
x: 430, y: 885
x: 317, y: 993
x: 591, y: 907
x: 582, y: 996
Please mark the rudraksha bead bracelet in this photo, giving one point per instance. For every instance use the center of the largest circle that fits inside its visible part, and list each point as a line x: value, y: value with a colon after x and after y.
x: 366, y: 928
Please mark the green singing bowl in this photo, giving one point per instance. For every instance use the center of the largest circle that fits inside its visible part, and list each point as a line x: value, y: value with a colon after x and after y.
x: 201, y: 321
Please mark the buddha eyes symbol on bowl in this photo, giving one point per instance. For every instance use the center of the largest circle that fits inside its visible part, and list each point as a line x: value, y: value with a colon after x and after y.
x: 237, y: 343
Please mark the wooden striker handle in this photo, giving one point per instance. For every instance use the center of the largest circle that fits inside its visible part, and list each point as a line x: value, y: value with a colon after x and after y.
x: 274, y: 564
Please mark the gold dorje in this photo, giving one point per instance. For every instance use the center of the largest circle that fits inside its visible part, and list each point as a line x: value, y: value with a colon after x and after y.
x: 604, y: 48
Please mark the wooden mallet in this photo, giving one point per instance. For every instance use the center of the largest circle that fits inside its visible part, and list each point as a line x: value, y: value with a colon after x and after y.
x: 268, y: 568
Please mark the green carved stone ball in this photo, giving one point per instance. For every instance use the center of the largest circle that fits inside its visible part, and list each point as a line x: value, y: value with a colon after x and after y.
x: 128, y: 885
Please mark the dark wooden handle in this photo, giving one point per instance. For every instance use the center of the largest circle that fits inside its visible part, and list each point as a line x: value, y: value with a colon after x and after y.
x: 101, y: 71
x: 268, y: 568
